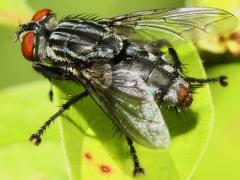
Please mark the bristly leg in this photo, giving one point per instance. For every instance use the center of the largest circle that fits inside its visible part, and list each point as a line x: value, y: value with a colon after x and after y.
x: 137, y: 169
x: 157, y: 45
x: 37, y: 136
x: 221, y: 79
x: 51, y: 73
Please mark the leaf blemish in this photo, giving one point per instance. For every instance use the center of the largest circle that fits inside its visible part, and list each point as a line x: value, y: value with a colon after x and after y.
x: 105, y: 169
x: 88, y: 156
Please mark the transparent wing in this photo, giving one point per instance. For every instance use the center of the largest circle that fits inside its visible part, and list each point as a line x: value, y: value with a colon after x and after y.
x: 129, y: 103
x: 188, y: 22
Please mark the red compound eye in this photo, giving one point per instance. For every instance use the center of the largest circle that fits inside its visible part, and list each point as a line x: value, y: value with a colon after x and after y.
x: 40, y: 14
x: 28, y: 45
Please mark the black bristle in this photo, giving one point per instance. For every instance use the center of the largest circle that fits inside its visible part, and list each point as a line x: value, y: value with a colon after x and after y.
x: 83, y: 16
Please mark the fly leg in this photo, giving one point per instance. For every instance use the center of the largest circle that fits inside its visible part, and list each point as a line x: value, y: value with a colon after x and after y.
x: 37, y: 136
x: 157, y: 45
x: 50, y: 93
x: 51, y: 73
x: 156, y: 48
x: 137, y: 169
x: 222, y: 80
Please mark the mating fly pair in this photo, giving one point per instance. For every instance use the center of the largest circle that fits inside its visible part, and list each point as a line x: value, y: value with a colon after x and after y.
x: 129, y: 77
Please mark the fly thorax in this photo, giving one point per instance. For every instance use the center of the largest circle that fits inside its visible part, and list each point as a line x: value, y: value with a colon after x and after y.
x: 111, y: 45
x: 85, y: 41
x: 98, y: 74
x: 178, y: 94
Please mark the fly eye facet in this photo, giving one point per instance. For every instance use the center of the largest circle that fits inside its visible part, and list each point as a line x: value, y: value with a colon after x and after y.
x: 40, y: 14
x: 28, y: 45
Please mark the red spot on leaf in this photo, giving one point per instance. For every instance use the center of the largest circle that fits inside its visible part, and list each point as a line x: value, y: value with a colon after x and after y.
x: 105, y: 169
x: 88, y: 156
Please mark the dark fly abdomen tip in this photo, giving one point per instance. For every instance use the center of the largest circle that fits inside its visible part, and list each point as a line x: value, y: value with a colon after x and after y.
x: 223, y: 81
x: 37, y: 140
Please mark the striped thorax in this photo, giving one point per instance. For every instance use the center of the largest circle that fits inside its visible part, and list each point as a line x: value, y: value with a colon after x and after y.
x: 76, y: 45
x: 82, y: 41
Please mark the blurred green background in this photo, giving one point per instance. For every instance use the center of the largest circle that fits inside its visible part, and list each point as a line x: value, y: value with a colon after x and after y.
x: 221, y: 159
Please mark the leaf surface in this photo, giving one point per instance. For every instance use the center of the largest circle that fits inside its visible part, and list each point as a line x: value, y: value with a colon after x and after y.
x: 94, y: 153
x: 23, y: 109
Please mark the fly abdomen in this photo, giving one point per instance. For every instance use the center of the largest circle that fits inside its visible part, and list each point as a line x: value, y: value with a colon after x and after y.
x: 82, y: 41
x: 155, y: 71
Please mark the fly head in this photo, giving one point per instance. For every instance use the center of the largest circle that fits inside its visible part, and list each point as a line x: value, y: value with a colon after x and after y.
x: 34, y: 35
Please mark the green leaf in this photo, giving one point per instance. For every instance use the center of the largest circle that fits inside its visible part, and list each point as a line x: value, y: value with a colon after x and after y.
x: 90, y: 131
x: 23, y: 109
x: 94, y: 153
x: 231, y: 6
x: 102, y: 8
x: 222, y: 160
x: 10, y: 15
